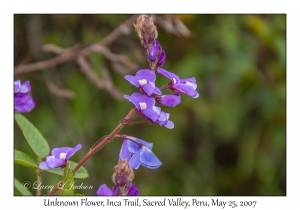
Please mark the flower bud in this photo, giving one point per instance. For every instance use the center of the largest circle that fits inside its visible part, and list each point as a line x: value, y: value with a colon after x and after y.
x: 161, y: 59
x: 169, y: 100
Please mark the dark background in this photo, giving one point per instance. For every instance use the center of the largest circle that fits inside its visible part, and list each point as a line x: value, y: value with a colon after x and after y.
x: 229, y: 141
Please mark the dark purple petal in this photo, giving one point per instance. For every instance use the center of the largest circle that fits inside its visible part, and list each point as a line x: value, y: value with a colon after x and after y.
x: 150, y: 114
x: 170, y: 100
x: 55, y: 163
x: 134, y: 101
x: 148, y: 159
x: 124, y: 152
x: 140, y: 98
x: 153, y: 51
x: 161, y: 59
x: 148, y: 89
x: 187, y: 89
x: 72, y: 151
x: 134, y: 162
x: 145, y: 74
x: 104, y: 190
x: 22, y: 99
x: 133, y: 80
x: 173, y: 77
x: 133, y: 191
x: 43, y: 166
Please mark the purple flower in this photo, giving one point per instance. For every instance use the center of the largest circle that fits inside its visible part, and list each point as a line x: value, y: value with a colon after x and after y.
x: 169, y: 100
x: 161, y: 59
x: 145, y: 106
x: 59, y: 158
x: 163, y: 119
x: 187, y: 86
x: 145, y: 80
x: 23, y: 102
x: 103, y: 190
x: 138, y: 152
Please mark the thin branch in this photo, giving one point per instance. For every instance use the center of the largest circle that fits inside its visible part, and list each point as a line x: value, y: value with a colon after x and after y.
x: 59, y: 92
x: 70, y: 55
x: 105, y: 83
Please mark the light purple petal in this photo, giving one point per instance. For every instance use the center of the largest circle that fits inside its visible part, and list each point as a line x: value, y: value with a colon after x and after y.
x: 173, y: 77
x: 146, y: 74
x: 169, y: 124
x: 148, y: 89
x: 157, y: 91
x: 134, y: 162
x: 145, y: 143
x: 134, y: 101
x: 17, y: 85
x: 187, y: 89
x: 25, y: 87
x: 55, y: 163
x: 124, y: 152
x: 140, y: 98
x: 43, y: 166
x: 57, y: 151
x: 148, y: 159
x: 150, y: 114
x: 72, y: 151
x: 103, y: 190
x: 191, y: 80
x: 163, y: 117
x: 132, y: 146
x: 133, y: 80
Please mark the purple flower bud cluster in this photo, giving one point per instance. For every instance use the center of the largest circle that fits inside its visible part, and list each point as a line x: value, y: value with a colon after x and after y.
x: 156, y: 54
x: 23, y: 102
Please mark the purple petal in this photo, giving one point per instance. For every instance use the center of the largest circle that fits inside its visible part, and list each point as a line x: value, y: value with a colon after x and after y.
x: 153, y: 51
x: 134, y: 162
x: 169, y: 124
x: 25, y: 87
x: 72, y: 151
x: 134, y: 101
x: 163, y: 117
x: 187, y: 89
x: 133, y: 191
x: 57, y: 151
x: 161, y: 59
x: 124, y: 152
x: 55, y: 163
x: 27, y: 106
x: 148, y: 89
x: 150, y: 114
x: 17, y: 85
x: 140, y: 98
x: 148, y: 159
x: 145, y: 143
x: 170, y: 100
x: 173, y: 77
x: 145, y: 74
x: 104, y: 190
x: 157, y: 109
x: 157, y: 91
x: 43, y: 166
x: 191, y: 80
x: 22, y: 99
x: 132, y: 146
x: 133, y: 80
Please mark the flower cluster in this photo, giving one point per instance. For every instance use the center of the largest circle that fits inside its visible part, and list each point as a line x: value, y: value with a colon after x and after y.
x: 23, y: 102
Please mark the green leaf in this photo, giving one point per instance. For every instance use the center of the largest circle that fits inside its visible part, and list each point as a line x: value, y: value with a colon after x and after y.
x: 68, y: 181
x: 25, y: 160
x: 82, y: 173
x: 23, y: 190
x: 34, y: 138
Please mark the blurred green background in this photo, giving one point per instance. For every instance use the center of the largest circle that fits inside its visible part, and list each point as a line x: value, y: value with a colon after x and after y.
x: 229, y: 141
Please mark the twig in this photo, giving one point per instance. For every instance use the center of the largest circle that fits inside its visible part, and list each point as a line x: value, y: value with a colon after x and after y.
x: 70, y: 55
x: 101, y: 84
x: 59, y: 92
